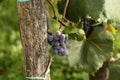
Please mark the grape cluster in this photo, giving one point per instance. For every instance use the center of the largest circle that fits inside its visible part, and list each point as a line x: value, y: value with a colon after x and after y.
x: 58, y: 43
x: 86, y: 25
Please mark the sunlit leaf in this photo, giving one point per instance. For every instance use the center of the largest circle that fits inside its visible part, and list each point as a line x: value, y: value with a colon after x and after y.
x: 112, y: 9
x: 94, y: 8
x: 90, y: 54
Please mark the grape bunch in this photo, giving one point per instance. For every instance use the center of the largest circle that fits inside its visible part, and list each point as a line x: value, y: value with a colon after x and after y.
x: 86, y: 25
x: 58, y: 43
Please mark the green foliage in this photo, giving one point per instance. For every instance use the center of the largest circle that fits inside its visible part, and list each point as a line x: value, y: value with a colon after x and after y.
x: 117, y: 43
x: 112, y: 10
x: 1, y: 0
x: 115, y: 70
x: 90, y: 54
x: 74, y: 32
x: 78, y: 9
x: 8, y: 12
x: 11, y: 57
x: 94, y: 8
x: 74, y: 10
x: 60, y: 70
x: 11, y: 54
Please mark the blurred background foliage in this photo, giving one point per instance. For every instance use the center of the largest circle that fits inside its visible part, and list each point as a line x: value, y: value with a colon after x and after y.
x: 11, y: 54
x: 12, y: 57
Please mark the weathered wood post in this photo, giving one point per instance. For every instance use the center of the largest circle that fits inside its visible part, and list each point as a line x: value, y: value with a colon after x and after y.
x: 33, y: 32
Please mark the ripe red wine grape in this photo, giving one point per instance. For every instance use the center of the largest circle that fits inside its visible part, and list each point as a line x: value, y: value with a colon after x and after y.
x: 58, y: 33
x: 58, y: 43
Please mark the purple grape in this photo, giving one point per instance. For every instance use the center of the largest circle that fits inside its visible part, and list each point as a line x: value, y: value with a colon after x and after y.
x: 61, y: 50
x: 49, y: 32
x: 58, y: 43
x: 56, y: 51
x: 55, y: 45
x: 56, y: 38
x: 62, y: 38
x: 86, y: 24
x: 63, y: 45
x: 58, y: 33
x: 50, y: 38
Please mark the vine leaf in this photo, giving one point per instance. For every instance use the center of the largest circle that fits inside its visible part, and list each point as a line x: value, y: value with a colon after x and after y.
x: 90, y: 54
x: 73, y: 9
x: 74, y: 32
x: 78, y: 9
x: 112, y: 10
x: 94, y: 8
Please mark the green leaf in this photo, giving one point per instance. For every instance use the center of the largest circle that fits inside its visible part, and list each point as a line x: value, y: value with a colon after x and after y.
x: 78, y: 9
x: 90, y: 54
x: 114, y: 70
x: 112, y: 10
x: 117, y: 42
x: 70, y: 29
x: 94, y: 8
x: 74, y: 33
x: 73, y: 9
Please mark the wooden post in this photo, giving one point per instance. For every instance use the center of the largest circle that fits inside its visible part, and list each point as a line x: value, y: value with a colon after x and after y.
x: 102, y: 73
x: 33, y: 32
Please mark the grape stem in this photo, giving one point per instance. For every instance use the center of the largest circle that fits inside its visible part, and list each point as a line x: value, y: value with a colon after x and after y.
x: 48, y: 67
x: 64, y: 13
x: 55, y: 17
x: 52, y: 8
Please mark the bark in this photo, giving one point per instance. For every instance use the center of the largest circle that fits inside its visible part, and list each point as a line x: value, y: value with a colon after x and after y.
x: 102, y: 73
x: 33, y: 28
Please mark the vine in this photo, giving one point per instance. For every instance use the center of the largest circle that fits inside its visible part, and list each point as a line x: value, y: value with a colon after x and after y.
x: 54, y: 16
x: 89, y: 33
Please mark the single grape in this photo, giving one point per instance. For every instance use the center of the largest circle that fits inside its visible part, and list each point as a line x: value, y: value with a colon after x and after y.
x: 61, y: 50
x: 55, y: 51
x: 56, y: 38
x: 63, y: 45
x: 62, y: 38
x: 50, y: 37
x: 58, y: 33
x: 56, y: 44
x: 49, y: 32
